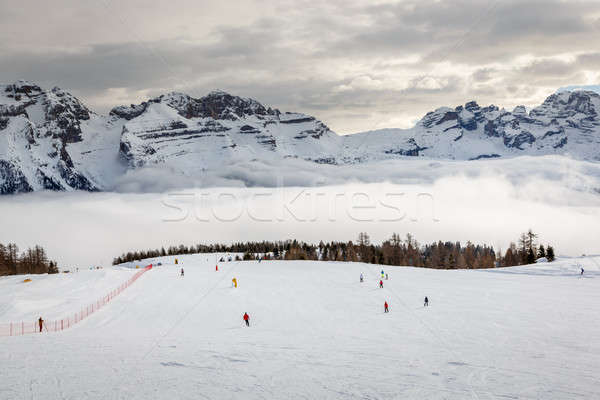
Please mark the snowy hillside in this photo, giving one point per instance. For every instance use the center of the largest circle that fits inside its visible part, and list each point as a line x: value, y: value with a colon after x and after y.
x: 566, y: 123
x: 56, y: 296
x: 316, y: 332
x: 50, y: 140
x: 191, y: 135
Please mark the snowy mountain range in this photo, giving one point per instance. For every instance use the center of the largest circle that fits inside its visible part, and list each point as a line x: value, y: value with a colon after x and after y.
x: 50, y: 140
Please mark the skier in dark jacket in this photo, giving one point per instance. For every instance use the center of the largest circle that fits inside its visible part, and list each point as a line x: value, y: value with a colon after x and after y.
x: 426, y: 302
x: 247, y: 319
x: 41, y: 323
x: 582, y: 271
x: 385, y: 307
x: 181, y: 271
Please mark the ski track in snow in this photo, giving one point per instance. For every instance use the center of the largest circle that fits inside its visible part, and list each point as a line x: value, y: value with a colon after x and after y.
x: 517, y: 333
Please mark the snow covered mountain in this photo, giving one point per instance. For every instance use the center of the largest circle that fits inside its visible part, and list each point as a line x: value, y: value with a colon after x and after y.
x: 567, y: 123
x: 192, y: 135
x: 50, y: 140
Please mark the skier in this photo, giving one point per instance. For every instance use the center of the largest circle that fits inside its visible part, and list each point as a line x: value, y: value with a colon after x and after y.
x: 247, y: 319
x: 386, y: 277
x: 217, y: 267
x: 426, y: 302
x: 582, y: 271
x: 181, y: 271
x: 234, y: 282
x: 41, y: 323
x: 381, y: 284
x: 385, y: 307
x: 361, y: 277
x: 382, y: 274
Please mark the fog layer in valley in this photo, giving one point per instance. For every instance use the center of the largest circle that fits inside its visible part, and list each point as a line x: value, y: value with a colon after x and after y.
x: 489, y: 202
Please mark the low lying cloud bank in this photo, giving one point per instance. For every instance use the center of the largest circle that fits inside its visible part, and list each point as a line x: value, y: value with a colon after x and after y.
x: 489, y: 201
x: 556, y: 173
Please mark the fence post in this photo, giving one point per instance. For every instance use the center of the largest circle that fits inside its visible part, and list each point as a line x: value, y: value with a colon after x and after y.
x: 11, y: 329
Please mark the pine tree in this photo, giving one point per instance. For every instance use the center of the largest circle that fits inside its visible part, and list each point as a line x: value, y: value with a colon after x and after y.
x: 531, y: 247
x: 550, y: 253
x: 541, y: 251
x: 451, y: 263
x: 523, y: 248
x: 363, y: 247
x: 530, y: 256
x: 52, y: 268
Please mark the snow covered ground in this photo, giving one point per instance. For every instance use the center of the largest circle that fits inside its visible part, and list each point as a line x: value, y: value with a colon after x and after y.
x: 523, y: 333
x: 56, y: 296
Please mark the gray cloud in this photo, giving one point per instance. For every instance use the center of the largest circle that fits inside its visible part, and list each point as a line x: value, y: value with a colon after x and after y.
x: 355, y: 65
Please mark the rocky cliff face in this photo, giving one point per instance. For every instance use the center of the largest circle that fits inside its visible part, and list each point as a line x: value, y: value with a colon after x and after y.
x: 566, y: 123
x: 50, y: 140
x: 35, y: 129
x: 190, y: 134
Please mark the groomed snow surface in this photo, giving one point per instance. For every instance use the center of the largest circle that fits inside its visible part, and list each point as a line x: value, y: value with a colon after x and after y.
x: 316, y: 333
x: 56, y: 296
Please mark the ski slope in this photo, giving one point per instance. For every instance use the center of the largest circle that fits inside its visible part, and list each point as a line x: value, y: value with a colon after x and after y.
x: 317, y: 333
x: 56, y: 296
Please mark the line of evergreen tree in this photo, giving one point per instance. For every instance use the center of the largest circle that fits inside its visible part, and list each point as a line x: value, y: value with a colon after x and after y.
x: 527, y: 251
x: 31, y: 261
x: 395, y: 251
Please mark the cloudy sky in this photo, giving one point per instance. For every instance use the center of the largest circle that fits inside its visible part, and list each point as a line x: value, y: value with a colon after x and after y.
x: 357, y: 65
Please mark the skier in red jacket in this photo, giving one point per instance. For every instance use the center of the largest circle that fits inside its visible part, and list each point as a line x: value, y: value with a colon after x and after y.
x: 381, y: 284
x: 247, y: 319
x: 385, y: 307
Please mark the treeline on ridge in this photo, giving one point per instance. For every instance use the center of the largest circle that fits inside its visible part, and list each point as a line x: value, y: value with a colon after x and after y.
x: 395, y: 251
x: 31, y: 261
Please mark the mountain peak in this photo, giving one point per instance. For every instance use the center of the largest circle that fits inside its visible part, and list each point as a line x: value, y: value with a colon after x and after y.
x: 472, y: 106
x: 520, y: 110
x: 217, y: 104
x: 569, y: 103
x: 24, y: 86
x: 219, y: 93
x: 20, y: 90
